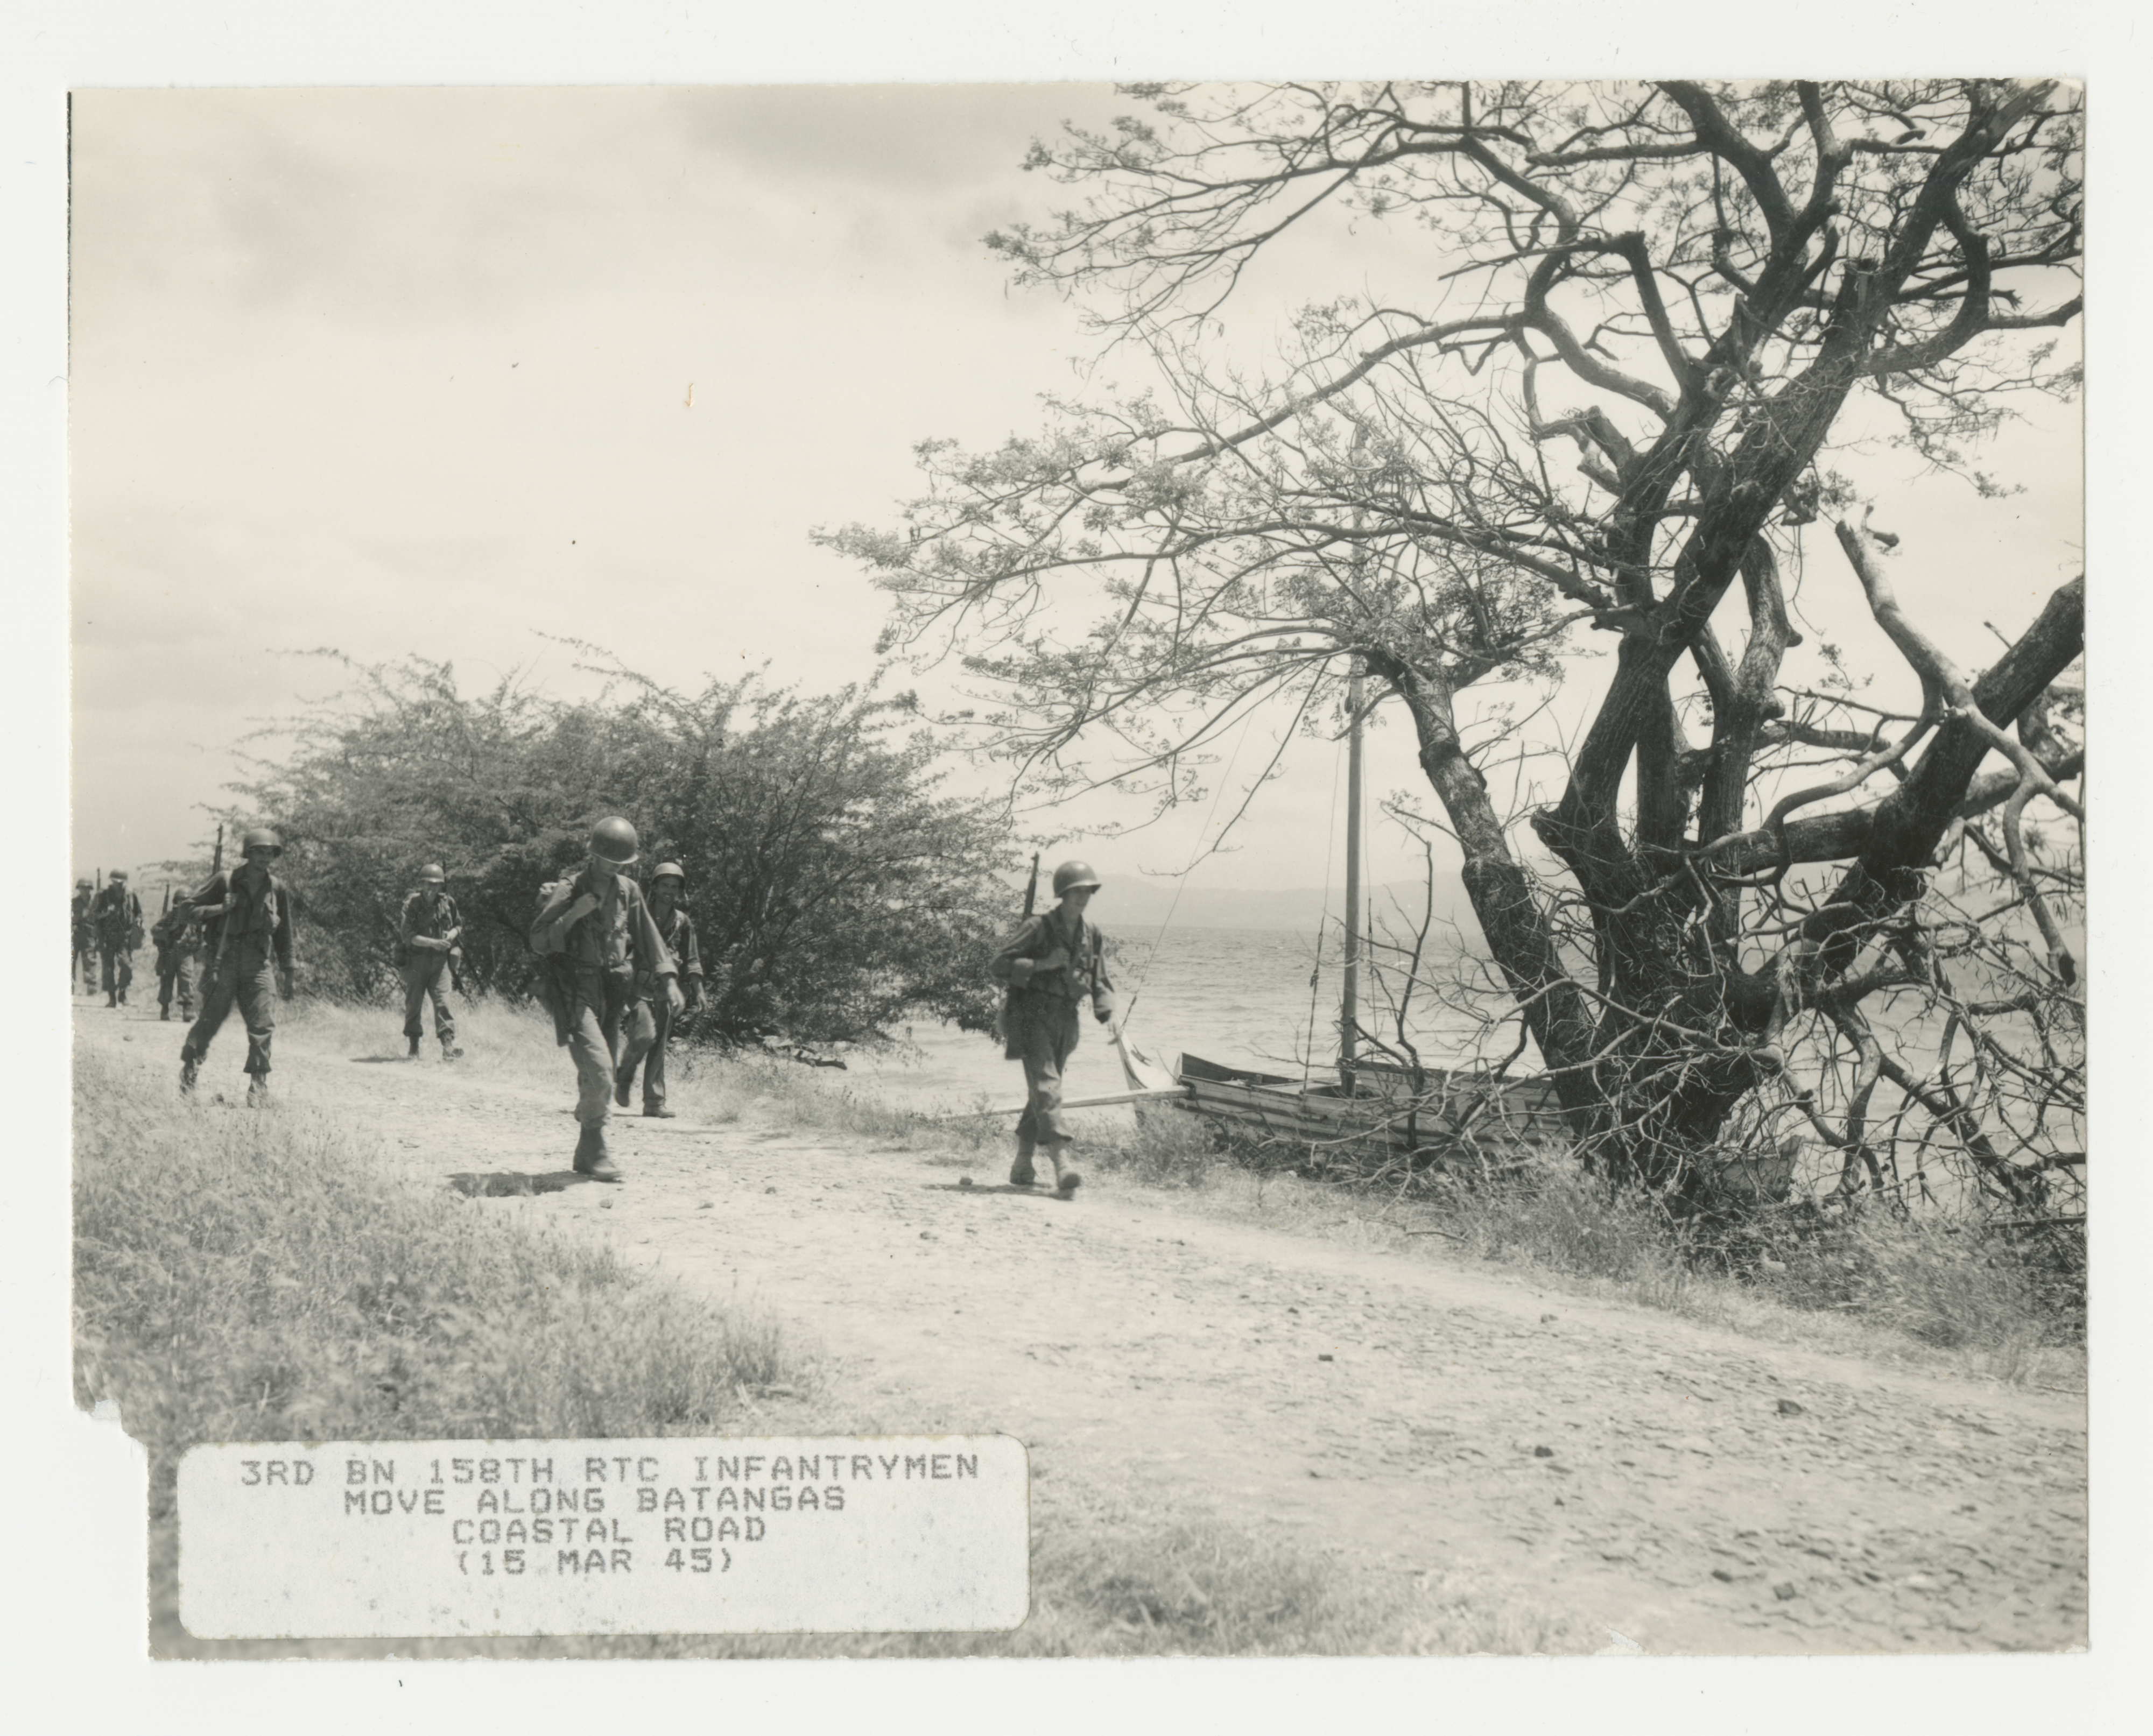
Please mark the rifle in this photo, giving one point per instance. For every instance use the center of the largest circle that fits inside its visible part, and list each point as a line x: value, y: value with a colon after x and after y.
x: 1031, y: 891
x: 216, y: 859
x: 165, y: 910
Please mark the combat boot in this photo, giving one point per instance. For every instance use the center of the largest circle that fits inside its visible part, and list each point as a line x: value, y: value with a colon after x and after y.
x: 592, y: 1158
x: 450, y: 1052
x: 658, y: 1112
x: 1021, y: 1171
x: 110, y: 998
x: 190, y: 1071
x: 257, y: 1091
x: 414, y: 1055
x: 164, y: 1015
x: 1066, y: 1180
x: 622, y: 1085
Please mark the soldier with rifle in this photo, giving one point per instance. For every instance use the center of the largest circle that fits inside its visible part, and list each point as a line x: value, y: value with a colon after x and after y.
x: 426, y: 944
x: 1051, y: 964
x: 593, y: 935
x: 177, y: 941
x: 115, y: 914
x: 250, y: 910
x: 652, y: 1027
x: 81, y: 962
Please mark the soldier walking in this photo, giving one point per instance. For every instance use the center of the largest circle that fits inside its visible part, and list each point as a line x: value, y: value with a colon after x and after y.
x: 250, y: 910
x: 177, y: 941
x: 1052, y: 963
x: 81, y: 962
x: 428, y: 936
x: 594, y: 934
x: 116, y: 916
x: 652, y: 1026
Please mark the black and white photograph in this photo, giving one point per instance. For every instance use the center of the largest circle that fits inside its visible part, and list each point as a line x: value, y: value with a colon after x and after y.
x: 1099, y: 868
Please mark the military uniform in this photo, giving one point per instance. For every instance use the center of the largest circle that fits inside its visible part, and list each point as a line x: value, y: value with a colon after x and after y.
x: 651, y: 1029
x: 177, y: 942
x: 595, y: 961
x: 115, y: 914
x: 1040, y: 1019
x: 81, y: 962
x: 251, y: 910
x: 427, y: 935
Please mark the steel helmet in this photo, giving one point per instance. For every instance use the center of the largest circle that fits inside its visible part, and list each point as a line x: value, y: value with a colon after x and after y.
x: 668, y: 871
x: 261, y: 838
x: 83, y: 884
x: 1071, y: 874
x: 432, y: 874
x: 615, y: 839
x: 119, y: 873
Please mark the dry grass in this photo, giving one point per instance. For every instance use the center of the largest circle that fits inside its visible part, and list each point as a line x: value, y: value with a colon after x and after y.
x: 264, y: 1276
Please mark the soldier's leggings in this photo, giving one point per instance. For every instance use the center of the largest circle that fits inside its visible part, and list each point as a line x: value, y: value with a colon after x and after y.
x: 118, y: 969
x: 646, y: 1036
x: 425, y: 974
x: 176, y: 973
x: 1045, y: 1040
x: 244, y: 975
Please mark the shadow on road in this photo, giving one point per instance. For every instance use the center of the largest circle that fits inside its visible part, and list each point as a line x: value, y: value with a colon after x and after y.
x: 379, y: 1060
x: 999, y: 1187
x: 514, y: 1184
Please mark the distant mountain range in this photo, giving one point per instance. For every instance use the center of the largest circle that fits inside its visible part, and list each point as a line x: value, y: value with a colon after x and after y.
x: 1137, y: 908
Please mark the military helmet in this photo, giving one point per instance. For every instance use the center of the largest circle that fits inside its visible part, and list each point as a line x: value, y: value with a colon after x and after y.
x: 261, y: 838
x: 614, y: 840
x: 119, y: 874
x: 672, y: 870
x: 1071, y: 874
x: 83, y: 884
x: 431, y: 873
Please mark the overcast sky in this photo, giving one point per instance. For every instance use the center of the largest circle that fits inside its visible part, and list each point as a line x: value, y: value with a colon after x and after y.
x: 447, y: 372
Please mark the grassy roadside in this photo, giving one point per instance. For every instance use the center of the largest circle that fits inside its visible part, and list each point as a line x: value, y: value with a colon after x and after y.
x: 273, y: 1275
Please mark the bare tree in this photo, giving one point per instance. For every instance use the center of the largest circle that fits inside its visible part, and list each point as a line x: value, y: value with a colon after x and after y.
x: 1647, y: 309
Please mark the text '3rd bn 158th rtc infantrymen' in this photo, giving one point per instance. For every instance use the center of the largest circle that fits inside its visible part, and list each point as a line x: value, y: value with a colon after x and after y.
x: 593, y: 936
x: 1052, y: 965
x: 247, y: 918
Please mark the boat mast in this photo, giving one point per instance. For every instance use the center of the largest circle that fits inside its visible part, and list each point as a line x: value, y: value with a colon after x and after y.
x: 1349, y: 1011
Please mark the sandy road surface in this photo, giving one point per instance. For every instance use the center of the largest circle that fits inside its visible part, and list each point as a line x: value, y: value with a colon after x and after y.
x: 1690, y: 1491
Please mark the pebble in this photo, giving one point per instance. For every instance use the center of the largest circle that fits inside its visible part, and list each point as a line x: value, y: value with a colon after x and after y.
x: 1784, y: 1590
x: 1788, y: 1408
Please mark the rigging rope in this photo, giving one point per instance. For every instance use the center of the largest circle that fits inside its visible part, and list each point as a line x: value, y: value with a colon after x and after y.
x: 1181, y: 881
x: 1315, y: 974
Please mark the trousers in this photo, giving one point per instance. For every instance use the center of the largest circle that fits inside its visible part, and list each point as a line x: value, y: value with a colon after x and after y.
x: 176, y: 972
x: 604, y: 1015
x: 85, y: 959
x: 1044, y: 1038
x: 646, y: 1037
x: 118, y: 969
x: 243, y: 976
x: 426, y: 977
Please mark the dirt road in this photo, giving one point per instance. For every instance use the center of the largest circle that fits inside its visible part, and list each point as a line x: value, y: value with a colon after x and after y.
x: 1682, y: 1489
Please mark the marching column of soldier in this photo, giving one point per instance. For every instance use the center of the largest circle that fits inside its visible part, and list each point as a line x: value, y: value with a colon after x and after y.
x: 615, y: 970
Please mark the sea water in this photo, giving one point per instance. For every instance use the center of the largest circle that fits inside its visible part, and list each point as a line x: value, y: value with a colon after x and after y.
x: 1241, y: 996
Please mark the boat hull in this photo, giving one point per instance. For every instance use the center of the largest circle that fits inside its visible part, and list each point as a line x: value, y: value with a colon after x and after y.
x: 1464, y: 1113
